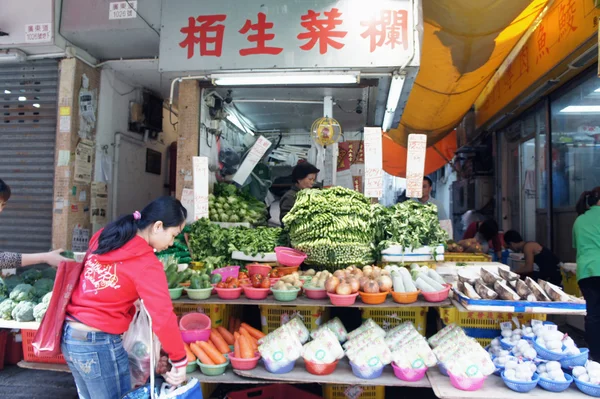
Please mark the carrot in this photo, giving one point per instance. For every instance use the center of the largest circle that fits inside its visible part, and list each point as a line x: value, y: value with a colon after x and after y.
x: 190, y: 355
x: 214, y: 354
x: 246, y: 348
x: 236, y: 349
x: 236, y: 336
x: 202, y: 356
x: 227, y: 336
x: 231, y: 325
x: 251, y: 340
x: 253, y: 331
x: 212, y: 345
x: 219, y: 342
x: 238, y: 322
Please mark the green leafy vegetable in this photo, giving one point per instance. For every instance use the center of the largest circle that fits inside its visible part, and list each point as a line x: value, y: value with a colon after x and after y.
x: 22, y: 292
x: 31, y: 276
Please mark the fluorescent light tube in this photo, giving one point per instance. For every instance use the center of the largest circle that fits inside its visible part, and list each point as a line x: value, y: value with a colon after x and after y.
x: 581, y: 109
x: 392, y: 102
x: 233, y: 118
x: 255, y: 79
x: 597, y: 90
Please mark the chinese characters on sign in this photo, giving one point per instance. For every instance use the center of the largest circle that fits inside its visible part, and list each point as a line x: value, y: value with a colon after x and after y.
x: 373, y: 162
x: 122, y: 10
x: 38, y: 33
x: 290, y: 35
x: 415, y: 165
x: 254, y: 156
x: 200, y: 173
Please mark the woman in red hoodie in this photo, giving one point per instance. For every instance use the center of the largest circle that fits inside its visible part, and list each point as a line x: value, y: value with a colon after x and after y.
x: 119, y: 269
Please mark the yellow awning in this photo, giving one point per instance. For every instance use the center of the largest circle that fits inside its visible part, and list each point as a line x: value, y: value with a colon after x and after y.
x: 464, y: 42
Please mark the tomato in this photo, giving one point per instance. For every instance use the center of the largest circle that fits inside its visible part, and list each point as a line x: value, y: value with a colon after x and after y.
x: 222, y: 285
x: 232, y: 285
x: 242, y: 276
x: 256, y: 280
x: 229, y: 279
x: 265, y: 283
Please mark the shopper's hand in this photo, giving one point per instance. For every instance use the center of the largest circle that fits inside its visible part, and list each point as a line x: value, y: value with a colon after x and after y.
x: 54, y: 258
x: 176, y: 376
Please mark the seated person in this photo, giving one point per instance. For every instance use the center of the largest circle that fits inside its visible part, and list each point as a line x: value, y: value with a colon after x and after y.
x: 540, y: 262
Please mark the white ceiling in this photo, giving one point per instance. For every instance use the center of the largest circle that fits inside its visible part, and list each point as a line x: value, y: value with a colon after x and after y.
x: 271, y: 115
x: 285, y: 108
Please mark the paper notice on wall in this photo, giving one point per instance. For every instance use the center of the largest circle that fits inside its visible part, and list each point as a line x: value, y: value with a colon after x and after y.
x: 64, y: 124
x: 344, y: 179
x: 373, y: 162
x: 83, y: 161
x: 187, y: 200
x: 38, y: 33
x: 122, y: 9
x: 99, y: 202
x: 254, y: 156
x: 200, y: 173
x: 81, y: 239
x: 64, y: 157
x: 415, y: 165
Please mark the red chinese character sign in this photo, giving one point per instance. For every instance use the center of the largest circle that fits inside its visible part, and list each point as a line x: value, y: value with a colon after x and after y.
x: 415, y: 165
x: 229, y: 34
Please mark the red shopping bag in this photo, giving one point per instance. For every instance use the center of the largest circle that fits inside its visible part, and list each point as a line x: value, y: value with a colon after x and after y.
x: 48, y: 336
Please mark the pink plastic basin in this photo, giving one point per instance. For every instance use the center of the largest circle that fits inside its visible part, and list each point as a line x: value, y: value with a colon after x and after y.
x: 438, y: 296
x: 243, y: 364
x: 257, y: 268
x: 289, y: 256
x: 315, y: 293
x: 409, y: 374
x: 229, y: 293
x: 466, y: 383
x: 191, y: 336
x: 256, y: 293
x: 342, y: 300
x: 195, y: 321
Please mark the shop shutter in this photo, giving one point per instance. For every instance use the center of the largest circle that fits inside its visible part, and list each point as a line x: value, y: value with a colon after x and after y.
x: 28, y: 109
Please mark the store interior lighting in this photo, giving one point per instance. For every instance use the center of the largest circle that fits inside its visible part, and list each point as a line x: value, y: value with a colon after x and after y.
x: 392, y: 101
x: 581, y: 109
x: 271, y: 79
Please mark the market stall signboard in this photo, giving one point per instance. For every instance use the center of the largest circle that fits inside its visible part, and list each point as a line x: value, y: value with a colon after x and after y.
x: 229, y: 34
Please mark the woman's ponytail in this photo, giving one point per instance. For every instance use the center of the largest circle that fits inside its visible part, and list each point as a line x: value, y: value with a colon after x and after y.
x: 587, y: 200
x: 167, y: 210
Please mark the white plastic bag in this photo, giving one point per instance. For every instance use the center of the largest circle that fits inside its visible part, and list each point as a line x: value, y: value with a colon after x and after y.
x: 137, y: 341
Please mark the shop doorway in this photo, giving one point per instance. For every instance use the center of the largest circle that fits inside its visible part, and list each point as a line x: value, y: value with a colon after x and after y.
x: 528, y: 189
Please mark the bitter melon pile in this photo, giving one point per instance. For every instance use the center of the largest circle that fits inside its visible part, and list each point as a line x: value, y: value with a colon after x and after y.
x: 332, y: 227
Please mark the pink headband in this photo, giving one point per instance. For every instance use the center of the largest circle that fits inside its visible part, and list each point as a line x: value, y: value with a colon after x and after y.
x: 137, y: 215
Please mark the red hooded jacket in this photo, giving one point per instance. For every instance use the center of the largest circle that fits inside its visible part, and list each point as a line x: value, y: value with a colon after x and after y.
x: 109, y: 286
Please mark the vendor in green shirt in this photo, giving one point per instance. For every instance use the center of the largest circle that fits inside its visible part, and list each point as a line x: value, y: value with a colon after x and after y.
x: 586, y: 240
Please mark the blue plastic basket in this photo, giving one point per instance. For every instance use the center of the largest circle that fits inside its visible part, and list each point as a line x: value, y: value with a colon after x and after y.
x: 553, y: 386
x: 547, y: 354
x: 519, y: 386
x: 577, y: 360
x: 506, y: 346
x: 587, y: 388
x: 443, y: 369
x: 366, y: 373
x: 270, y: 366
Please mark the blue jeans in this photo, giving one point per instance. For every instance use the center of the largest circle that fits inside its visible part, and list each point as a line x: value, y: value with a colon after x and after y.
x: 99, y: 364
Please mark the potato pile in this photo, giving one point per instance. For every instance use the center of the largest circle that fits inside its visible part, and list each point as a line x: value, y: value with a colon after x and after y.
x: 319, y: 279
x: 290, y: 282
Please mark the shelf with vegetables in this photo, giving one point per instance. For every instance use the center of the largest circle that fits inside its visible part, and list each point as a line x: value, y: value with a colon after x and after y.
x: 310, y: 288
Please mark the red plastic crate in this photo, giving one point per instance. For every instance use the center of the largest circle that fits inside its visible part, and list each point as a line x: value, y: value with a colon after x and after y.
x: 29, y: 354
x: 275, y: 391
x: 3, y: 337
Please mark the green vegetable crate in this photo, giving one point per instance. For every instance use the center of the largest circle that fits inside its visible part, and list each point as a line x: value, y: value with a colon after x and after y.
x: 272, y: 317
x: 334, y: 391
x: 389, y: 318
x: 219, y: 314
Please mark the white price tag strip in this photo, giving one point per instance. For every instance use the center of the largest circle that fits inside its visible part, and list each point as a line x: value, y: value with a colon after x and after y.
x: 254, y: 156
x: 415, y: 165
x: 373, y: 162
x: 200, y: 168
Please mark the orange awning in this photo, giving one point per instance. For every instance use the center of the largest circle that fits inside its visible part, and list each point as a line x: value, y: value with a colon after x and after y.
x: 437, y: 155
x: 464, y: 42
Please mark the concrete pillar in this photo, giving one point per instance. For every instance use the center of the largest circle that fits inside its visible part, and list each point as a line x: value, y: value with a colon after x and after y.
x: 71, y: 208
x: 188, y: 132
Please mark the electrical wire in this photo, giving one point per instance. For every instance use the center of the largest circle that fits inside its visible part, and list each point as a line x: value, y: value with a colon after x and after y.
x: 135, y: 88
x: 340, y: 107
x: 142, y: 18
